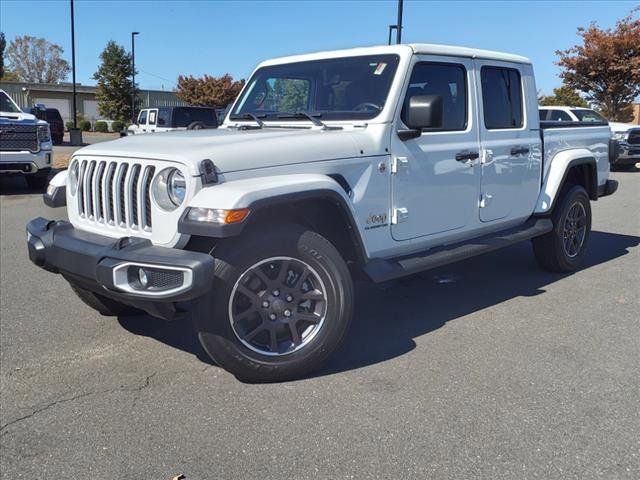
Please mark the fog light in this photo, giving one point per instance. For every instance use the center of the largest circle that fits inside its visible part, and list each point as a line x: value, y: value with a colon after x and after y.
x: 142, y: 276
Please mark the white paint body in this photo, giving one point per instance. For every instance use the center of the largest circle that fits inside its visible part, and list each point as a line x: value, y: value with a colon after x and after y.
x: 446, y: 200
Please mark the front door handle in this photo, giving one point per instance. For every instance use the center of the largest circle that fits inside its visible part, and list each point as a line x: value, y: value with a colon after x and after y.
x: 519, y: 151
x: 464, y: 156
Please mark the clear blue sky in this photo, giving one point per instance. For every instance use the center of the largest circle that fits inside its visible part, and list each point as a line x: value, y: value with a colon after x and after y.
x: 198, y: 37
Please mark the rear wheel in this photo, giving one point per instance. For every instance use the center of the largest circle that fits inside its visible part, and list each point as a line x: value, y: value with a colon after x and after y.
x: 103, y: 305
x: 563, y: 248
x: 280, y: 304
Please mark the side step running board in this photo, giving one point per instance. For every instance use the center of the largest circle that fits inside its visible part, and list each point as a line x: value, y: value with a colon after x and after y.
x: 381, y: 270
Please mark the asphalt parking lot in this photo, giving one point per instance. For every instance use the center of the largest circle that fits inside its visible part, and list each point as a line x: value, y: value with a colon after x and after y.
x: 489, y: 368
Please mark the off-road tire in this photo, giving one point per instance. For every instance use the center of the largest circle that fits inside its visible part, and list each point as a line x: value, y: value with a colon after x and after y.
x: 104, y: 305
x: 549, y: 249
x: 212, y: 314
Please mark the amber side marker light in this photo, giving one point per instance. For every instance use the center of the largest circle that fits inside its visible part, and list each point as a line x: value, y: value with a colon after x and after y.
x: 214, y: 215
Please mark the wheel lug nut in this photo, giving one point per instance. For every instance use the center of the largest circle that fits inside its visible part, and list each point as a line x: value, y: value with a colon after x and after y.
x: 272, y: 316
x: 276, y: 293
x: 289, y: 298
x: 287, y: 313
x: 265, y: 304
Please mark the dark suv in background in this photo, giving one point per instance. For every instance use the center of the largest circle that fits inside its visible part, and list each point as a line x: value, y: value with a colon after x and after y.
x: 52, y: 117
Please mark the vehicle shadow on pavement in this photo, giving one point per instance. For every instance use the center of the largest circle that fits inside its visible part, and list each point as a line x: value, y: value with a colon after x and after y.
x: 388, y: 318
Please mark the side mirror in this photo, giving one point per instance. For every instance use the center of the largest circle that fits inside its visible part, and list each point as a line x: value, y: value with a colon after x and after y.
x: 423, y: 112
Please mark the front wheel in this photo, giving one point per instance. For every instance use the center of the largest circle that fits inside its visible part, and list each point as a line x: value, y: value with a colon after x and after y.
x: 564, y: 247
x: 280, y: 304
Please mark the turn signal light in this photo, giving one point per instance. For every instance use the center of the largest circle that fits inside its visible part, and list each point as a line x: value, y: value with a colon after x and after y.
x: 213, y: 215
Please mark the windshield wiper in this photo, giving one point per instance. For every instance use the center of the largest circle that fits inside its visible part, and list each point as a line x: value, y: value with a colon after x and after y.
x: 313, y: 118
x: 250, y: 116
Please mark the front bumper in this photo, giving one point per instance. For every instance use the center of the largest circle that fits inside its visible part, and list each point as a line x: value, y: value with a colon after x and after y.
x: 627, y: 154
x: 111, y: 267
x: 26, y: 162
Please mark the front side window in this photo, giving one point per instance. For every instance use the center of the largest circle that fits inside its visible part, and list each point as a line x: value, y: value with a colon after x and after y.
x: 588, y: 116
x: 349, y: 88
x: 142, y: 118
x: 444, y: 80
x: 501, y: 97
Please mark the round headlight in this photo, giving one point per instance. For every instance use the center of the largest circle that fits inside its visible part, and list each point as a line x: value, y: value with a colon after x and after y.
x: 73, y: 177
x: 169, y: 189
x: 177, y: 187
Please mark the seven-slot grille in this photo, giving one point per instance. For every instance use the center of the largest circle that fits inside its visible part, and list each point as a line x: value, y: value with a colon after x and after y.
x: 18, y: 138
x: 115, y: 193
x: 634, y: 137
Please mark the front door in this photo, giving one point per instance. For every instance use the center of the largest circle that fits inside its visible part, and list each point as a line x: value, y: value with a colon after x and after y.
x: 511, y: 153
x: 435, y: 184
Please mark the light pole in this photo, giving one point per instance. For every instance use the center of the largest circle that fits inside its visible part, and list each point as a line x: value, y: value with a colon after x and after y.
x: 398, y: 26
x: 133, y: 74
x: 75, y: 135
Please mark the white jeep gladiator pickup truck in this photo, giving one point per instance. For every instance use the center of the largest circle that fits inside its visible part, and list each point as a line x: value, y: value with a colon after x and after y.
x: 25, y: 143
x: 380, y: 162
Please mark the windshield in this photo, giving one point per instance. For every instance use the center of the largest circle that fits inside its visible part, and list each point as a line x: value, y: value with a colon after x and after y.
x: 588, y: 116
x: 6, y: 105
x: 350, y: 88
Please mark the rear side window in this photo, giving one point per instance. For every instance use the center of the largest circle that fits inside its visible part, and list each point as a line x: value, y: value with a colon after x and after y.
x: 152, y: 117
x: 501, y: 97
x: 164, y: 117
x: 185, y: 116
x: 447, y: 81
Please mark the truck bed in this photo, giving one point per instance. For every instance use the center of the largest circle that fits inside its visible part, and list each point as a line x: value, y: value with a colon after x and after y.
x: 560, y: 136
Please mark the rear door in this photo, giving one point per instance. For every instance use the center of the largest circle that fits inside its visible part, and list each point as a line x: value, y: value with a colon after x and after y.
x: 435, y: 177
x: 511, y: 147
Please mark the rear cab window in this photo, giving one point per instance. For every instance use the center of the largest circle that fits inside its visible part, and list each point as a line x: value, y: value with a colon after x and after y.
x: 502, y: 97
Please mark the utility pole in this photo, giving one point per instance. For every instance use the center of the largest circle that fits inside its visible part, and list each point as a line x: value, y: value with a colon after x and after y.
x: 398, y: 26
x: 75, y: 135
x: 133, y: 73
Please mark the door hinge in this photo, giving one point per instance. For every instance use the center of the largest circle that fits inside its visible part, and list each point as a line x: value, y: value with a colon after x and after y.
x: 399, y: 215
x: 397, y: 163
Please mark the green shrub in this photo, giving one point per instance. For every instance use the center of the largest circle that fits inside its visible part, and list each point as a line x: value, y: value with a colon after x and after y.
x: 117, y: 126
x: 69, y: 125
x: 101, y: 126
x: 85, y: 125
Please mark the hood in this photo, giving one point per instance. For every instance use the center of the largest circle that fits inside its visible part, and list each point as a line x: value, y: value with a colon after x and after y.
x: 21, y: 117
x: 233, y: 150
x: 621, y: 127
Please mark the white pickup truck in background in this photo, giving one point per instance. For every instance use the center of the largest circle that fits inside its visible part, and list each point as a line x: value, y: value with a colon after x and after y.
x: 374, y: 163
x: 25, y: 144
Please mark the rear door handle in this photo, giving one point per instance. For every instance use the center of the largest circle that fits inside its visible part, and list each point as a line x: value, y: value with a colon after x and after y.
x: 464, y: 156
x: 519, y: 151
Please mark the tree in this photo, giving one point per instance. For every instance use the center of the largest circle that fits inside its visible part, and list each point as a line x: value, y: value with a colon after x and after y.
x: 563, y: 95
x: 36, y: 60
x: 208, y: 91
x: 114, y: 87
x: 606, y: 66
